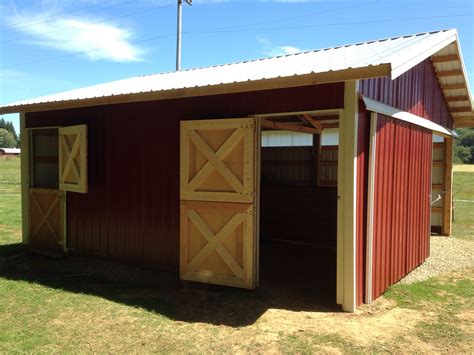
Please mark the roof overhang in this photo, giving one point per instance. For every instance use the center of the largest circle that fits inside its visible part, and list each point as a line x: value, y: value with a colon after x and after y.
x: 245, y: 86
x: 451, y: 72
x: 379, y: 107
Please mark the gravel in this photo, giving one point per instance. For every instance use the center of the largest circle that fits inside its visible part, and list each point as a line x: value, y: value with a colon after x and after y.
x: 447, y: 254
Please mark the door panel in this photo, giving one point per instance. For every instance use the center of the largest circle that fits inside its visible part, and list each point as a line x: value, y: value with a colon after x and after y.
x: 218, y: 179
x: 437, y: 187
x: 73, y: 158
x: 46, y: 217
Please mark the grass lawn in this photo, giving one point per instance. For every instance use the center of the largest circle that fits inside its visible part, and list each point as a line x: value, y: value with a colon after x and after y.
x: 83, y: 305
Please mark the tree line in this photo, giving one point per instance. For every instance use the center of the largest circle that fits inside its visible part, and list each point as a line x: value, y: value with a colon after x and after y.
x: 8, y: 136
x: 464, y: 146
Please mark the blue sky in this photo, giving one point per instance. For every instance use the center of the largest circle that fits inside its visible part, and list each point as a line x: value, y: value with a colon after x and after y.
x: 49, y: 46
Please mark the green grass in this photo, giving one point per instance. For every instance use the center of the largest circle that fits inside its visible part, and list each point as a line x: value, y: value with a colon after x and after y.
x: 10, y: 200
x: 446, y: 298
x: 463, y: 189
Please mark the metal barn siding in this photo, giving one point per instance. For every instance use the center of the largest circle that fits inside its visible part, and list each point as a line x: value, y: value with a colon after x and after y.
x: 401, y: 201
x: 131, y: 211
x: 417, y: 91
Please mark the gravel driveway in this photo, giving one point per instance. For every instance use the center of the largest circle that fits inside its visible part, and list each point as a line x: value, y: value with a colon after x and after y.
x: 447, y: 254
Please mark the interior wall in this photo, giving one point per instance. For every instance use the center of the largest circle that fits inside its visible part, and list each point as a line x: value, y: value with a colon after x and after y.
x: 305, y: 214
x: 131, y: 211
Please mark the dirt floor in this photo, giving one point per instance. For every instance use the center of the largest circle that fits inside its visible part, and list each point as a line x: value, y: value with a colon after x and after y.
x: 210, y: 318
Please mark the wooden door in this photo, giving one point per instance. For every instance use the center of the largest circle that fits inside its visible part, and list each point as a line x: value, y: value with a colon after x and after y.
x: 46, y: 218
x: 218, y: 194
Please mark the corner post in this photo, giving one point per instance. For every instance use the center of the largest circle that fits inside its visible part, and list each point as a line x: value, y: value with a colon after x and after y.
x: 346, y: 207
x: 25, y: 177
x: 448, y: 187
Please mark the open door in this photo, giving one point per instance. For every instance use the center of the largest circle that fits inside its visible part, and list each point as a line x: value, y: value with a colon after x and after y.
x: 218, y: 231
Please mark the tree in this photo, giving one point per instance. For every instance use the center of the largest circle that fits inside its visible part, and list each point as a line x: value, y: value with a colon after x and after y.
x: 7, y: 125
x: 7, y: 140
x: 464, y: 146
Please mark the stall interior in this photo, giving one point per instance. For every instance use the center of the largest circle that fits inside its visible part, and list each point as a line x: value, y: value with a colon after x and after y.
x: 298, y: 205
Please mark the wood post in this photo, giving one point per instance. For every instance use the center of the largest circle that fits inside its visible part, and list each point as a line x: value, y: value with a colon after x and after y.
x: 448, y: 187
x: 25, y: 177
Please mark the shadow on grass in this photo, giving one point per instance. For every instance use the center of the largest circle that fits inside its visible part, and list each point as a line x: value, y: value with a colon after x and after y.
x: 284, y: 284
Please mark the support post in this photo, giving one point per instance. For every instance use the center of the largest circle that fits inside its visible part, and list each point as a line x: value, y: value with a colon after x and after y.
x: 346, y: 207
x: 25, y: 177
x: 448, y: 187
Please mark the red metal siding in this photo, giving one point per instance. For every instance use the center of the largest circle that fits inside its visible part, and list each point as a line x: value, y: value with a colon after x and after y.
x: 131, y: 211
x: 401, y: 201
x: 417, y: 91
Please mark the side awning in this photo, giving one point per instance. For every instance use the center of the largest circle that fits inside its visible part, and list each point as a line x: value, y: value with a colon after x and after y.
x: 376, y: 106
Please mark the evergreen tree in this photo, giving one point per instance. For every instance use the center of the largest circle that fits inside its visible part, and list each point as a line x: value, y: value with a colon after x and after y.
x: 6, y: 139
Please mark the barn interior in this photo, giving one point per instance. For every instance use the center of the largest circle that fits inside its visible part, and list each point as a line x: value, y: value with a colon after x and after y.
x: 298, y: 206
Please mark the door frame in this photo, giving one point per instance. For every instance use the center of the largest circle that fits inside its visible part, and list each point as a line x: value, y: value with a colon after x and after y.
x: 25, y: 161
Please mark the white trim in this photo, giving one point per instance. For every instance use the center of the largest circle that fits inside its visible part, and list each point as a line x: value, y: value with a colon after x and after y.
x: 25, y: 177
x: 376, y: 106
x: 400, y: 66
x: 347, y: 199
x: 370, y: 207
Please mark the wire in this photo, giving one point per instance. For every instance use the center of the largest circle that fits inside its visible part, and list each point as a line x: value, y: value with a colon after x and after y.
x: 89, y: 23
x: 243, y: 30
x: 327, y: 24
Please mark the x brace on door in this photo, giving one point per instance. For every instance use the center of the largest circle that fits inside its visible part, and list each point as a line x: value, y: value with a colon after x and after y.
x: 44, y: 216
x: 215, y: 242
x: 215, y: 160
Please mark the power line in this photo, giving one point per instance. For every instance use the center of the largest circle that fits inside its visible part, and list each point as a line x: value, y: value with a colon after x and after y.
x: 28, y: 23
x: 242, y: 30
x: 89, y: 23
x: 327, y: 24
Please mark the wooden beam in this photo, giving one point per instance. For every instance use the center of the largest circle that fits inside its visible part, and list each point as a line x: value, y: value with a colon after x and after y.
x: 289, y: 127
x: 455, y: 72
x: 453, y: 86
x: 316, y: 124
x: 460, y: 109
x: 437, y: 186
x: 437, y: 209
x: 445, y: 58
x: 331, y: 125
x: 457, y: 98
x: 25, y: 177
x: 448, y: 187
x: 464, y: 121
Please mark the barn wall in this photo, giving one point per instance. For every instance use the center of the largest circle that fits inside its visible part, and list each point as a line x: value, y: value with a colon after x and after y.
x: 131, y: 212
x: 416, y: 91
x: 401, y: 201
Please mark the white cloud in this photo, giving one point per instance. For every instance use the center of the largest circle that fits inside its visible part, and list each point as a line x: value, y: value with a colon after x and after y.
x: 270, y: 50
x: 99, y: 41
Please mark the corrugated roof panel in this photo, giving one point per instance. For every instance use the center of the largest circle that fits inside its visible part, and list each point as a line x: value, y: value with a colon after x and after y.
x: 399, y: 53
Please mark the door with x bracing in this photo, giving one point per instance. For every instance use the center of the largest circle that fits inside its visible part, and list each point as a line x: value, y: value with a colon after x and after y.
x: 217, y: 192
x: 58, y: 164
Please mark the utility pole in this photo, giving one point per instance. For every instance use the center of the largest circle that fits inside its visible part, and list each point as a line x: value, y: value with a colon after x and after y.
x: 178, y: 37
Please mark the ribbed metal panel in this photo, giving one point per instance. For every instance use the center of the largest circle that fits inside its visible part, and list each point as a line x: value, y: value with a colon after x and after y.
x: 131, y: 210
x: 401, y: 201
x: 416, y: 91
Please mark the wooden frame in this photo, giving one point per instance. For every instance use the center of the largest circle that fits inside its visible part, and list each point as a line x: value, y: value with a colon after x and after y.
x: 448, y: 187
x: 346, y: 206
x: 68, y: 153
x: 370, y: 207
x: 25, y: 178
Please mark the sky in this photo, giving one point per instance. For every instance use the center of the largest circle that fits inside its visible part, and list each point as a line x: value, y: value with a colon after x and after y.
x: 50, y: 46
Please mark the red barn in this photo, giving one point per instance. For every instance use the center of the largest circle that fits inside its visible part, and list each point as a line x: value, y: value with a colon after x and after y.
x: 218, y: 198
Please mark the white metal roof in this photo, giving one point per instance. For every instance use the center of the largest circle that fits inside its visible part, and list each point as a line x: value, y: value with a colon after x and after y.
x: 384, y: 57
x: 11, y: 150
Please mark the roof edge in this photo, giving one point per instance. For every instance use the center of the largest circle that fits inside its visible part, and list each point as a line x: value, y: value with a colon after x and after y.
x: 246, y: 86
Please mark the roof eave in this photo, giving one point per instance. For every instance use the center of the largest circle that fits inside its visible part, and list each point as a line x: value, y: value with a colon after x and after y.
x: 380, y: 70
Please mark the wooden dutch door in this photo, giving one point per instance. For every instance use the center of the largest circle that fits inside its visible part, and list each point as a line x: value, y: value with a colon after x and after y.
x: 217, y: 191
x: 58, y: 164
